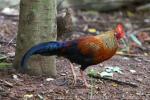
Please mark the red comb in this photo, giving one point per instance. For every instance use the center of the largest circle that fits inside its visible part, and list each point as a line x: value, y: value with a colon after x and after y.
x: 120, y: 31
x: 119, y: 28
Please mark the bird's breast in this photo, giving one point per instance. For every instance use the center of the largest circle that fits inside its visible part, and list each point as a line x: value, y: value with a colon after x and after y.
x: 108, y: 49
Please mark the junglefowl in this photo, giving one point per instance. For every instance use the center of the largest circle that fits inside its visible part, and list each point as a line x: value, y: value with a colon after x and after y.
x: 85, y: 51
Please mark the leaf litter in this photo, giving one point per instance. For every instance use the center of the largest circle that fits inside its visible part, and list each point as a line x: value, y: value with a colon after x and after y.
x: 18, y: 86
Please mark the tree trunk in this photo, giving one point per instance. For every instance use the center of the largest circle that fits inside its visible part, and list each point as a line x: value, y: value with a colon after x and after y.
x: 37, y: 24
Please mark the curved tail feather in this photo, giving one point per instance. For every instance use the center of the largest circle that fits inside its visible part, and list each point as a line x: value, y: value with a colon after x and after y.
x: 47, y: 48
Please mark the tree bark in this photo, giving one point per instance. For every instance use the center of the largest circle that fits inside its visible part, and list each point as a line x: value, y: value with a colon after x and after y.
x: 37, y: 24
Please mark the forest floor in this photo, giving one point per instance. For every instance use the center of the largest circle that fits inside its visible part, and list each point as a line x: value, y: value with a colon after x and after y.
x: 135, y: 67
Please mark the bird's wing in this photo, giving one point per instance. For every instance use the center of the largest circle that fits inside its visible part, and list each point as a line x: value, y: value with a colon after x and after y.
x: 90, y: 46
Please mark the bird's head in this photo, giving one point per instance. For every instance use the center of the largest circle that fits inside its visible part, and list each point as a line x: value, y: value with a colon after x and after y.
x: 119, y: 31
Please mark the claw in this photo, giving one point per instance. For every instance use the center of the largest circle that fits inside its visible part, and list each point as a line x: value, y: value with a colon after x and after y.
x: 83, y: 78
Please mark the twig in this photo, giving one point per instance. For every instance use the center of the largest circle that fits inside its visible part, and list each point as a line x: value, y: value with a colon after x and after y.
x: 113, y: 80
x: 141, y: 30
x: 130, y: 55
x: 6, y: 83
x: 7, y: 43
x: 11, y: 40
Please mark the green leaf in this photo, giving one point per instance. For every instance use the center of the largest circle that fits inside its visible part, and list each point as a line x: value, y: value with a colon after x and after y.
x: 92, y: 72
x: 134, y: 38
x: 5, y: 65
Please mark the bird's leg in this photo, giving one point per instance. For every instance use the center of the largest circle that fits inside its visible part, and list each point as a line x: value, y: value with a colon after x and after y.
x: 84, y: 79
x: 73, y: 72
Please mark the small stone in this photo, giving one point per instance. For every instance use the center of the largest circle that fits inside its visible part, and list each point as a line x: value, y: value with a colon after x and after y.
x: 125, y: 58
x: 15, y: 77
x: 139, y: 79
x: 12, y: 54
x: 63, y: 74
x: 137, y: 59
x: 132, y: 71
x: 49, y: 79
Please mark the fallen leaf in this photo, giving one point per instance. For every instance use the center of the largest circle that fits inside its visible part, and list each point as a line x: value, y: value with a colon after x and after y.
x: 92, y: 30
x: 27, y: 96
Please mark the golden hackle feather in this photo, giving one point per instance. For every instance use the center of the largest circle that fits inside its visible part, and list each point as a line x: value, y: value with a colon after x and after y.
x: 100, y: 47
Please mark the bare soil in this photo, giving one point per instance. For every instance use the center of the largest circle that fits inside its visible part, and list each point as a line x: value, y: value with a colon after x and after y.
x: 62, y: 88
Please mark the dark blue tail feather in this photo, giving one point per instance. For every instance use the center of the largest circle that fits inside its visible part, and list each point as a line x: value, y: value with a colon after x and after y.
x: 47, y: 48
